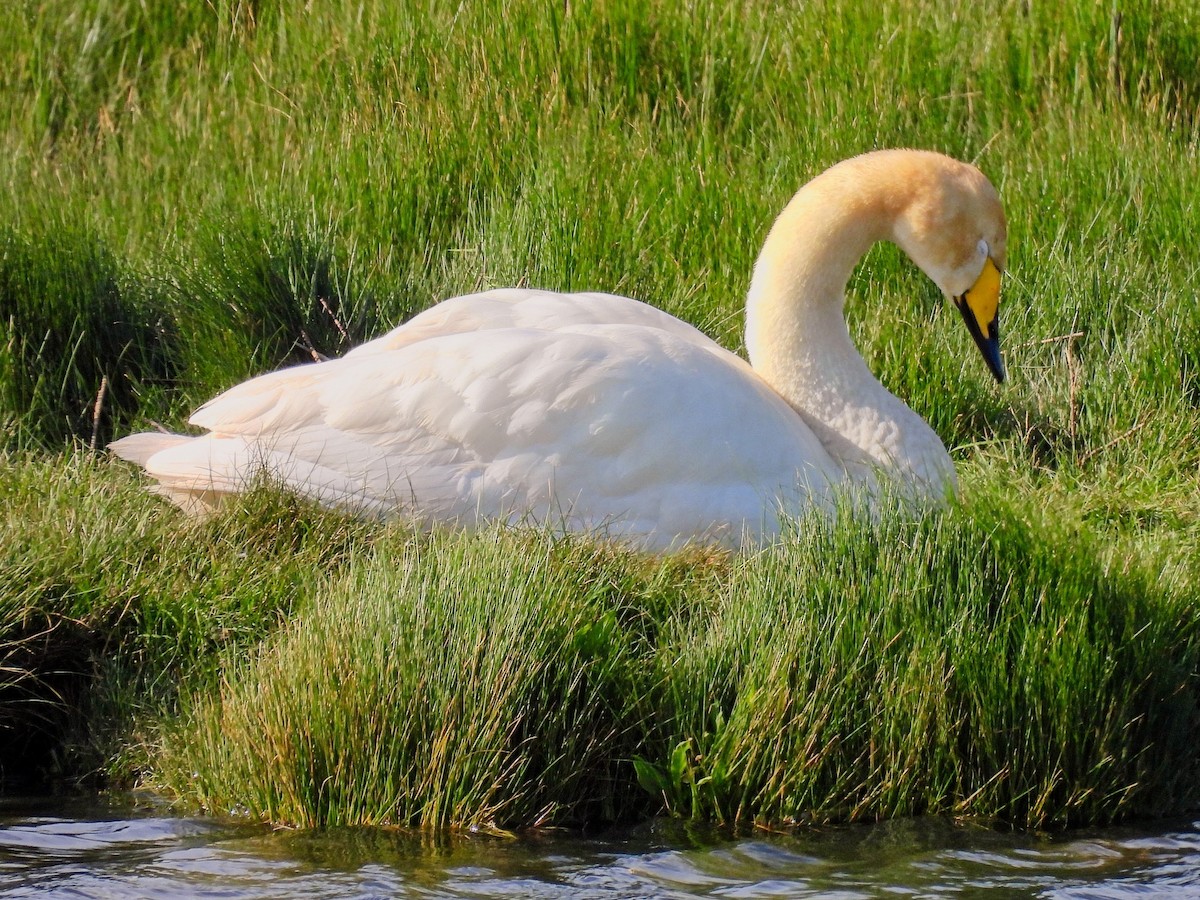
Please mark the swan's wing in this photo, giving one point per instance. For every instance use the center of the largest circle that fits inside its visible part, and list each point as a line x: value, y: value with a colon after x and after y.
x: 592, y: 425
x: 526, y: 308
x: 691, y: 430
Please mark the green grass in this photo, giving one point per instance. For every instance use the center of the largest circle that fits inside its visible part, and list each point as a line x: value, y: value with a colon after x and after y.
x: 191, y: 196
x: 965, y: 664
x: 109, y: 606
x: 977, y: 662
x: 443, y: 682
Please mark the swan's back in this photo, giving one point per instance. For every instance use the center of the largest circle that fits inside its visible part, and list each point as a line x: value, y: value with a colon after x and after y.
x: 527, y: 308
x: 643, y: 429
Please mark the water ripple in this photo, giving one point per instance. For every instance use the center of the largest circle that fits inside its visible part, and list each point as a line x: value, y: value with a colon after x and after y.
x: 88, y: 851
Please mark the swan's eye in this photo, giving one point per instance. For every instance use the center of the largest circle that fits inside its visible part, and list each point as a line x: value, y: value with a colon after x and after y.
x: 983, y: 249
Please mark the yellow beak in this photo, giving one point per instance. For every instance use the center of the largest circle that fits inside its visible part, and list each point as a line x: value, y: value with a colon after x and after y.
x: 980, y: 308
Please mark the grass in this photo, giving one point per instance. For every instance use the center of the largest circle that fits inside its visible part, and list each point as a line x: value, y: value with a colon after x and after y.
x: 961, y: 665
x: 108, y: 604
x: 444, y: 682
x: 192, y: 196
x: 979, y: 662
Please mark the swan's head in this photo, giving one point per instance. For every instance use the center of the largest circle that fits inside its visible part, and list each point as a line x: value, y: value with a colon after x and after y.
x: 951, y: 223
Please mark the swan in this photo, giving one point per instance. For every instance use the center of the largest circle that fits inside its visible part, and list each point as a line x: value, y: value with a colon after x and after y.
x: 595, y: 412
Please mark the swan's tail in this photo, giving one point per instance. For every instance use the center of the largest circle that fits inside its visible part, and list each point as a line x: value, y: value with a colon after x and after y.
x: 139, y: 448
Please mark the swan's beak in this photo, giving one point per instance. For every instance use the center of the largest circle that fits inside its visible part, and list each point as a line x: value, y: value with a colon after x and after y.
x: 980, y: 308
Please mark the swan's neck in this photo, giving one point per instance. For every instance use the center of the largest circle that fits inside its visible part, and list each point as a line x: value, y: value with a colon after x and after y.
x: 797, y: 337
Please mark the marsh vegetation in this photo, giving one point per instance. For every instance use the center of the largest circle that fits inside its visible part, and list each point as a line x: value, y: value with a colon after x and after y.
x: 193, y: 196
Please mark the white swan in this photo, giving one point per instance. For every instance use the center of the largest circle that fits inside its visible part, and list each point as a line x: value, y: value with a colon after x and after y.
x: 592, y: 411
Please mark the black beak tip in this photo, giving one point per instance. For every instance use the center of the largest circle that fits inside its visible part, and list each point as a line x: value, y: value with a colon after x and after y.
x: 991, y: 355
x: 995, y: 362
x: 988, y: 346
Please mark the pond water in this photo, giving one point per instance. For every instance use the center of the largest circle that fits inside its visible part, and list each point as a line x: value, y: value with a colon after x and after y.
x: 87, y: 849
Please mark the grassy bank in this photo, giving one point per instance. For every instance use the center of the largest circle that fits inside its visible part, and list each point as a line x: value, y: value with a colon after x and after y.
x: 192, y: 196
x: 979, y: 662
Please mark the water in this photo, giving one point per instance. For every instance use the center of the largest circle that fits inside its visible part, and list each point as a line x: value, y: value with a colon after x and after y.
x: 82, y: 849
